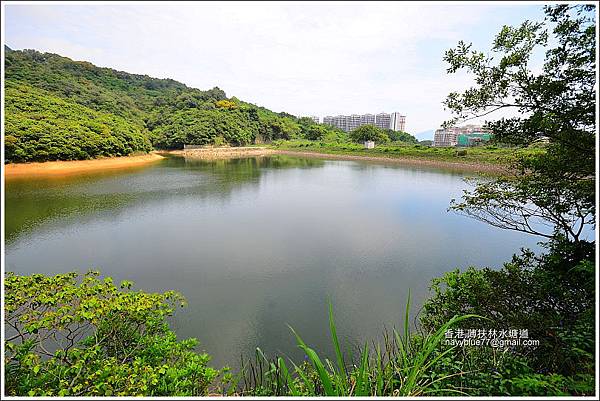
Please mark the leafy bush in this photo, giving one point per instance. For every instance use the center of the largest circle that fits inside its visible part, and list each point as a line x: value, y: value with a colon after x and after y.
x: 552, y: 296
x: 496, y: 372
x: 400, y: 136
x: 82, y: 336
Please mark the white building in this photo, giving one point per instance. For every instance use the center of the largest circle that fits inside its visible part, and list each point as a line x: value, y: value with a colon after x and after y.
x: 397, y: 121
x: 354, y: 121
x: 382, y: 120
x: 449, y: 136
x: 394, y: 121
x: 341, y: 122
x: 337, y: 121
x: 328, y: 120
x: 445, y: 137
x: 367, y: 119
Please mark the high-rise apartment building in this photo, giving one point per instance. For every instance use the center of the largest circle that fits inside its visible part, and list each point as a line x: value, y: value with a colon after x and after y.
x: 353, y: 122
x: 341, y: 122
x: 397, y: 121
x: 394, y: 121
x: 382, y: 120
x: 450, y: 136
x: 445, y: 137
x: 366, y: 119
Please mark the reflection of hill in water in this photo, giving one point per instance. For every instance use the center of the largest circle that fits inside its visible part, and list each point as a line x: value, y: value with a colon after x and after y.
x: 244, y: 164
x: 37, y: 202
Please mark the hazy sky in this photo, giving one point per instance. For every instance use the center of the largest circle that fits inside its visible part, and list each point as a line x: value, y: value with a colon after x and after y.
x: 302, y: 58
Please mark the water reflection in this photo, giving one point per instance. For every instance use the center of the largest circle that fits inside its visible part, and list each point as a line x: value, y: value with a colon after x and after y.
x: 258, y: 243
x: 31, y: 203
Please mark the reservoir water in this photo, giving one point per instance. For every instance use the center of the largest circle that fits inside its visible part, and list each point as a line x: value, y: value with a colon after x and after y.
x: 255, y: 244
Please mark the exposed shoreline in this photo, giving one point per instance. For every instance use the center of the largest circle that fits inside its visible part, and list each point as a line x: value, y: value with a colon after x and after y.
x: 221, y: 153
x: 232, y: 152
x: 65, y: 168
x: 407, y: 161
x: 71, y: 167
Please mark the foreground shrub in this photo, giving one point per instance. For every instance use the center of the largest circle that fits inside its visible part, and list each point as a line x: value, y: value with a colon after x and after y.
x: 488, y: 371
x: 80, y: 336
x: 551, y: 296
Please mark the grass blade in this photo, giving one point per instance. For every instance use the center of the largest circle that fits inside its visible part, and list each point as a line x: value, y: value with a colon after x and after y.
x: 336, y: 343
x: 286, y: 375
x: 318, y: 365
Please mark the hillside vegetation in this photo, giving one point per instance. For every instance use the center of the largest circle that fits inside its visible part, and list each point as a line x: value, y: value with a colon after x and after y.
x: 41, y: 126
x: 60, y: 109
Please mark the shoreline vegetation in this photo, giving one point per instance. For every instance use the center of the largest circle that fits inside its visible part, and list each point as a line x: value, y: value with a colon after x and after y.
x: 73, y: 167
x: 488, y: 159
x: 402, y: 160
x: 482, y: 162
x: 475, y: 164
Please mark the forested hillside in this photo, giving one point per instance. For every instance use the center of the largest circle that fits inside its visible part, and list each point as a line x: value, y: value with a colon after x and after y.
x: 60, y: 109
x: 41, y: 126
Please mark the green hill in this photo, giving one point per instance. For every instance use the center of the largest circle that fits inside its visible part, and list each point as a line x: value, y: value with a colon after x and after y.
x: 41, y: 126
x: 60, y: 109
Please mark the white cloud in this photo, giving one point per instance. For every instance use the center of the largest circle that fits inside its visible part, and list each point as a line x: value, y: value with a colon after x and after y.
x: 302, y: 58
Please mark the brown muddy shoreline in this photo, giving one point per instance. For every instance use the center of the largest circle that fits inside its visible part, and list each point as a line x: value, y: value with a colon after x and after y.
x: 66, y: 168
x: 74, y: 167
x: 221, y: 153
x: 232, y: 152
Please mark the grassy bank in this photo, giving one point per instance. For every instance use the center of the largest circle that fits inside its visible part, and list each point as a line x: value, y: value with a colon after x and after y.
x: 489, y: 157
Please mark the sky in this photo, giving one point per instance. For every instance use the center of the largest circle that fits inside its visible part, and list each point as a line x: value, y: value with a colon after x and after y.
x: 302, y: 58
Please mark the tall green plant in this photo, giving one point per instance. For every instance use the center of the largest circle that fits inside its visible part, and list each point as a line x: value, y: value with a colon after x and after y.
x: 403, y: 368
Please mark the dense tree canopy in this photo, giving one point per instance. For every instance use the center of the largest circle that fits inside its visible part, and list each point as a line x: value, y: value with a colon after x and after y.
x: 113, y: 113
x: 369, y: 133
x: 401, y: 136
x: 39, y: 126
x: 550, y: 194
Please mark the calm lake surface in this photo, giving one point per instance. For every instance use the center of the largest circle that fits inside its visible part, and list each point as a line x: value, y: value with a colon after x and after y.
x: 258, y: 243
